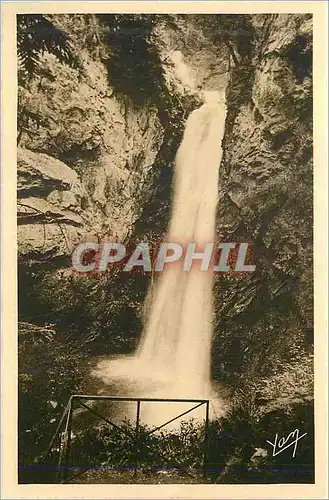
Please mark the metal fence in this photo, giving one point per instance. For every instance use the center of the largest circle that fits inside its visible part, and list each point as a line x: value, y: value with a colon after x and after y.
x: 62, y: 439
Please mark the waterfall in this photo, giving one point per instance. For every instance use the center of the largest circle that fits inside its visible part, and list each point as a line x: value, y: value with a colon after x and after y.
x: 177, y: 338
x: 174, y: 354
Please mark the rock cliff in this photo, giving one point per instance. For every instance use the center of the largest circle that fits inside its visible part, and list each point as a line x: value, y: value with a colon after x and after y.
x: 85, y: 162
x: 265, y: 193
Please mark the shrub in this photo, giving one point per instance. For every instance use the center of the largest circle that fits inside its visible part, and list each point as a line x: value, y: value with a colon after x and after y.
x: 48, y: 376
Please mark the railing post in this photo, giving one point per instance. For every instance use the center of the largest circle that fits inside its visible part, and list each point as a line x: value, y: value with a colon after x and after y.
x: 205, y: 451
x: 68, y: 431
x: 56, y: 433
x: 137, y: 433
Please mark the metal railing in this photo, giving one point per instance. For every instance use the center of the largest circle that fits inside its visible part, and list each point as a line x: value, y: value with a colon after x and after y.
x: 77, y: 400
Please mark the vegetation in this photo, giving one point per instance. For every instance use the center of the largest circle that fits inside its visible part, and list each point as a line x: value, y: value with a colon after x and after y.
x: 110, y: 446
x: 236, y: 449
x: 36, y: 34
x: 231, y: 31
x: 48, y: 375
x: 134, y: 67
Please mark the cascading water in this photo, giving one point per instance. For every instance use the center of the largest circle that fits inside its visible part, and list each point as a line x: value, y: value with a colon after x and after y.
x: 173, y: 360
x: 178, y: 333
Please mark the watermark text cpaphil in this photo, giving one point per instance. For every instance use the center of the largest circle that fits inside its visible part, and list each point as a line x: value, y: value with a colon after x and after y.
x: 221, y: 257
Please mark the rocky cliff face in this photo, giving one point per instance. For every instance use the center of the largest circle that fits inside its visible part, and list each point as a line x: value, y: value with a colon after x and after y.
x: 266, y: 199
x: 85, y: 161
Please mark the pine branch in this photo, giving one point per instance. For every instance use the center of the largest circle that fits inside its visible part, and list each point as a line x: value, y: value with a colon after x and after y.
x: 35, y: 36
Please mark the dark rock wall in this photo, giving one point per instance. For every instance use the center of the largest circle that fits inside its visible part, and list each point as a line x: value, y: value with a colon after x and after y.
x: 265, y: 191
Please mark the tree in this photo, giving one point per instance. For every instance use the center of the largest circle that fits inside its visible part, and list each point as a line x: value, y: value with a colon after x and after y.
x: 133, y: 64
x: 233, y: 31
x: 36, y: 35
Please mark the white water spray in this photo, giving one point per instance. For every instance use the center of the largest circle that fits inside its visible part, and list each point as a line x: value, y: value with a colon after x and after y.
x: 173, y: 360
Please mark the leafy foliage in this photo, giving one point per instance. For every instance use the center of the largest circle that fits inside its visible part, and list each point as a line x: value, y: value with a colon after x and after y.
x: 48, y: 376
x: 35, y: 36
x: 134, y: 67
x: 107, y: 445
x: 28, y: 120
x: 102, y: 310
x: 260, y: 408
x: 237, y: 451
x: 231, y: 31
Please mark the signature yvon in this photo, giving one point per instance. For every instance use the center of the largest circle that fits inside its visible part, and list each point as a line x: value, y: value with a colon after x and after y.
x: 282, y: 444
